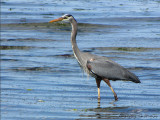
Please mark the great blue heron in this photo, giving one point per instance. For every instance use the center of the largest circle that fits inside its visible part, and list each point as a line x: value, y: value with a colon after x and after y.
x: 100, y: 67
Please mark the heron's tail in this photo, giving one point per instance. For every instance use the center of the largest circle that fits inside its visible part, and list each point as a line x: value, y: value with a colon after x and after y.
x: 132, y: 77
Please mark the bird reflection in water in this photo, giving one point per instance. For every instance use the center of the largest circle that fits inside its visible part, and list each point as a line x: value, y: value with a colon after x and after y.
x: 112, y: 112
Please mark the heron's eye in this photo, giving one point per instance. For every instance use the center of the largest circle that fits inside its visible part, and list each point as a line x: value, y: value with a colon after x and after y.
x: 65, y: 18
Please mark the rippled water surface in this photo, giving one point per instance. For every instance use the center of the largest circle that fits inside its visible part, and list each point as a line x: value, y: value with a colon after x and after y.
x: 41, y: 79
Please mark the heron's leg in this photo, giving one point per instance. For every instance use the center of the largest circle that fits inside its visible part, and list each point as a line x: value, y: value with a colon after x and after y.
x: 108, y: 83
x: 98, y: 81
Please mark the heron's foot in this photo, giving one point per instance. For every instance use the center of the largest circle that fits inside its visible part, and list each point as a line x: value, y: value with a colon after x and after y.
x: 116, y: 98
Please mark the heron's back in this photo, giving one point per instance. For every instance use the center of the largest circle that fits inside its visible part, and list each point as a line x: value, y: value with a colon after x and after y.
x: 105, y: 68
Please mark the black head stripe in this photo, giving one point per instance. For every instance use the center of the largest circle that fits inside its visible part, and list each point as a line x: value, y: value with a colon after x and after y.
x: 69, y: 15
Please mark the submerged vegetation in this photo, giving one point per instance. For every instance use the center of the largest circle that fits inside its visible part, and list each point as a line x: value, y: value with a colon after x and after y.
x: 139, y: 49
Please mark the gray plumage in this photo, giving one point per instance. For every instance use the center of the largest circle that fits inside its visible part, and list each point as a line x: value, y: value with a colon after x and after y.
x: 108, y: 69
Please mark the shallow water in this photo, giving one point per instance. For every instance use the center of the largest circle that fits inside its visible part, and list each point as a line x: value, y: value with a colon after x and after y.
x: 41, y: 79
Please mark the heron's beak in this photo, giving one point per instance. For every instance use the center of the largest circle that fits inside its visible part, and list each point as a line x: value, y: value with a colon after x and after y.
x: 55, y: 20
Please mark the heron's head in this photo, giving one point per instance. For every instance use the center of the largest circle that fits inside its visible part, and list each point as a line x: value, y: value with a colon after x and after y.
x: 65, y: 17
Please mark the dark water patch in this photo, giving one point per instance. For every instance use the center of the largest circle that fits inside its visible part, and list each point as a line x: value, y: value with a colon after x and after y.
x: 35, y: 25
x: 10, y: 89
x: 55, y: 71
x: 89, y: 25
x: 60, y: 25
x: 14, y: 47
x: 120, y: 113
x: 65, y: 55
x: 80, y: 9
x: 9, y: 47
x: 9, y: 60
x: 18, y: 3
x: 18, y: 13
x: 138, y: 49
x: 2, y: 2
x: 133, y: 19
x: 99, y: 109
x: 32, y: 69
x: 144, y: 68
x: 47, y: 14
x: 27, y: 40
x: 151, y: 95
x: 88, y: 50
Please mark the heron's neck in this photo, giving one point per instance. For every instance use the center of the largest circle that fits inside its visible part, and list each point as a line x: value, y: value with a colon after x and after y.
x: 73, y: 39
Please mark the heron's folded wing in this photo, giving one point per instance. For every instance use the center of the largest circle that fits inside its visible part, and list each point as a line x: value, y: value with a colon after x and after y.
x: 110, y: 70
